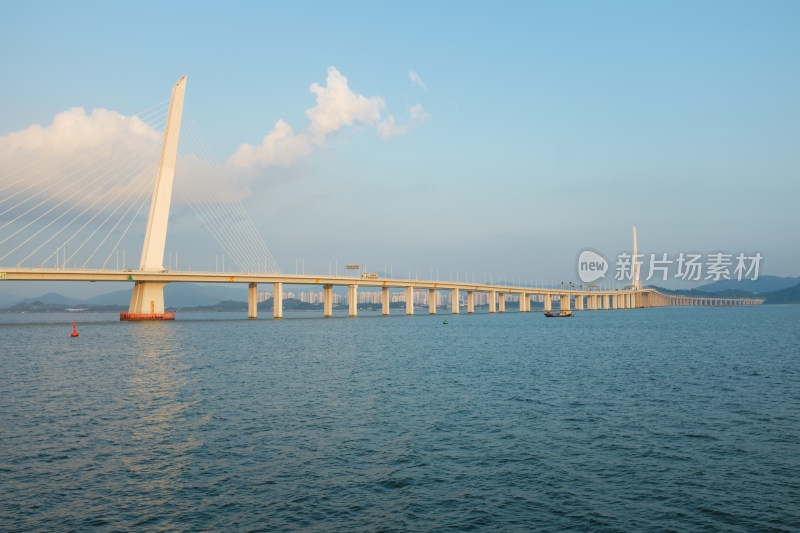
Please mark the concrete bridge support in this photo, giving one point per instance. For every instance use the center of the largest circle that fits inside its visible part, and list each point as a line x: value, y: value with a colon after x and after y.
x: 327, y: 300
x: 352, y: 300
x: 454, y: 301
x: 277, y: 300
x: 431, y: 301
x: 385, y: 301
x: 492, y: 301
x: 548, y: 302
x: 502, y: 302
x: 579, y: 302
x: 252, y: 300
x: 147, y: 301
x: 470, y: 302
x: 565, y: 302
x: 409, y: 300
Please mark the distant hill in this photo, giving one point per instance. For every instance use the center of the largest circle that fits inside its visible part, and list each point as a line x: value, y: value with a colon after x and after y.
x: 289, y: 304
x: 51, y: 298
x: 122, y: 297
x: 178, y: 295
x: 697, y: 293
x: 790, y: 295
x: 182, y: 295
x: 7, y: 300
x: 762, y: 284
x: 41, y: 307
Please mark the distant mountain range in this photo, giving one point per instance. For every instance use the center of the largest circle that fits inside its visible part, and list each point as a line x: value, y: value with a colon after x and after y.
x: 177, y: 295
x: 186, y: 296
x: 775, y: 290
x: 760, y: 285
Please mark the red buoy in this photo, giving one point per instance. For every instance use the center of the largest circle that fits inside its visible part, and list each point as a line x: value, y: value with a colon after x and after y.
x: 74, y: 329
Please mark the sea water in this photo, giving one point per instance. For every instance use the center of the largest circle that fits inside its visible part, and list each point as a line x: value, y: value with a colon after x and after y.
x: 643, y: 419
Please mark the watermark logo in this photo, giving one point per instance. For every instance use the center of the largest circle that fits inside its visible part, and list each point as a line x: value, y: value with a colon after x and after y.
x: 685, y: 266
x: 591, y: 266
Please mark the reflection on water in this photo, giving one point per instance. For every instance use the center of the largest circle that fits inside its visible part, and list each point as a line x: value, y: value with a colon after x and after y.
x: 155, y: 397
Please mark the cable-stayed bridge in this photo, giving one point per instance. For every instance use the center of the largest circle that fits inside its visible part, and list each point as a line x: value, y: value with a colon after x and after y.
x: 65, y: 214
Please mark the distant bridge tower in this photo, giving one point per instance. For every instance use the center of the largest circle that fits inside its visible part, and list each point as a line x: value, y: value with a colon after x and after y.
x: 637, y: 282
x: 147, y: 301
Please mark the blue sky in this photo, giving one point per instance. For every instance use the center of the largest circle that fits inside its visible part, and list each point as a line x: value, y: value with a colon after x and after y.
x: 545, y: 127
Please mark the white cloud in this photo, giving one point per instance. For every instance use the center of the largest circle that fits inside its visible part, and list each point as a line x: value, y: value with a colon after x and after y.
x: 337, y: 106
x: 418, y: 115
x: 416, y: 79
x: 389, y: 128
x: 74, y: 131
x: 281, y: 146
x: 79, y: 181
x: 77, y: 155
x: 78, y: 147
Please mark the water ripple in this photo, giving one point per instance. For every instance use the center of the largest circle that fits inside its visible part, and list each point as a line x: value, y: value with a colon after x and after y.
x: 661, y: 419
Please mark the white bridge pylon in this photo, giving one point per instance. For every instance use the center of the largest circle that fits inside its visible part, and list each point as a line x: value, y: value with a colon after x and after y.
x: 147, y: 300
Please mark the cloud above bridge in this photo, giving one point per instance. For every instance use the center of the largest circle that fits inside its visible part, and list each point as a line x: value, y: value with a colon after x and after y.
x: 337, y: 106
x: 75, y: 132
x: 100, y: 156
x: 81, y: 155
x: 80, y: 182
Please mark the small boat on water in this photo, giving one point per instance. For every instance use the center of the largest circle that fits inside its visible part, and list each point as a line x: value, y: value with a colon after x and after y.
x: 558, y: 313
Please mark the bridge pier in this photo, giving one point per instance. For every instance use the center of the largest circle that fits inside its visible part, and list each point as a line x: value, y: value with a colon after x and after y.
x: 454, y: 301
x: 492, y: 301
x: 548, y: 302
x: 327, y: 300
x: 277, y: 300
x: 385, y: 302
x: 470, y: 302
x: 579, y: 302
x: 352, y: 299
x: 431, y: 301
x: 565, y: 302
x: 502, y: 302
x: 147, y: 302
x: 252, y: 300
x: 410, y: 300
